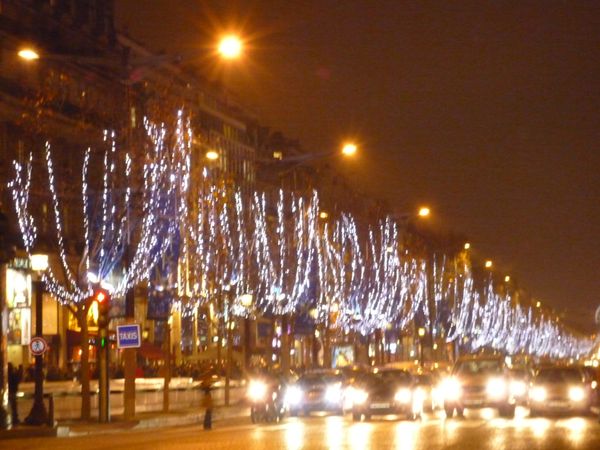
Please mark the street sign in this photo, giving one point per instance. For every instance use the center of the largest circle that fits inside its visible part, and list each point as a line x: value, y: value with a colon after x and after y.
x: 38, y: 346
x: 129, y: 336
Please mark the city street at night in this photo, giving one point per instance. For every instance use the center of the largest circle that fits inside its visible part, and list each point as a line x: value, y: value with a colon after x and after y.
x: 475, y: 432
x: 300, y: 224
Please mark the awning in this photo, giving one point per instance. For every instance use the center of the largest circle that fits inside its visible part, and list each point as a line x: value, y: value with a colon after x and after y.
x: 150, y: 351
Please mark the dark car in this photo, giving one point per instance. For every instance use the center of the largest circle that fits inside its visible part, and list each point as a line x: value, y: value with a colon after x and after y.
x: 387, y: 391
x: 560, y: 390
x: 321, y: 390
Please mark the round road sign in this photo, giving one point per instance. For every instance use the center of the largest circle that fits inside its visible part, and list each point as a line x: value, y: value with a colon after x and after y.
x: 38, y: 346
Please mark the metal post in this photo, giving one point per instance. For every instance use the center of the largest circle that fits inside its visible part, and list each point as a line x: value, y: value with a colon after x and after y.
x: 247, y: 347
x: 167, y: 380
x: 228, y: 361
x: 38, y: 414
x: 103, y: 378
x: 129, y: 354
x: 4, y: 416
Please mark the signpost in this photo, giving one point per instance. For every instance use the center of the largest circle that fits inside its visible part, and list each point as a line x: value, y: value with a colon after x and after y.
x: 38, y: 346
x: 129, y: 336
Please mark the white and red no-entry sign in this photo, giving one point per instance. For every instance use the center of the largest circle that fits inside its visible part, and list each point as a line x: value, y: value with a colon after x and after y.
x: 38, y: 346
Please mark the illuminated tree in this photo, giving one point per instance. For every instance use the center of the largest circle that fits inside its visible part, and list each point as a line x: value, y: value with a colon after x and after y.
x: 125, y: 226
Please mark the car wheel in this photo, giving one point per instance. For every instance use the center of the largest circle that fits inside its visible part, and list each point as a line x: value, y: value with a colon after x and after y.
x: 356, y: 417
x: 449, y: 411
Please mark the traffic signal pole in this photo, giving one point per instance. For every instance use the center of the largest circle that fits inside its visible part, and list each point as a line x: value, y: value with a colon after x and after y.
x: 103, y: 299
x: 103, y: 378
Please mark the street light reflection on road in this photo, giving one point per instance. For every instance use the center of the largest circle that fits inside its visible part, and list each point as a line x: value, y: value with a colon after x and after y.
x: 334, y: 432
x: 576, y: 427
x: 539, y: 427
x: 359, y: 436
x: 406, y: 435
x: 294, y: 435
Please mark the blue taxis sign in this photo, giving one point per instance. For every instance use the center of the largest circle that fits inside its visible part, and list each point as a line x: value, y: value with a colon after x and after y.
x: 129, y: 336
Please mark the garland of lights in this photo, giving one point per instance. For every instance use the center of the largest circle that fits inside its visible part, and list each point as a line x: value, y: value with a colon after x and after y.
x: 110, y: 231
x: 275, y: 248
x: 273, y: 257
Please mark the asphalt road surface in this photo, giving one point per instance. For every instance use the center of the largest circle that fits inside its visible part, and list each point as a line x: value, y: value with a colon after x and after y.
x: 478, y: 431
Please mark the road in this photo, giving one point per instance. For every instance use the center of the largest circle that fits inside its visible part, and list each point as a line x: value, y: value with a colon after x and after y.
x: 478, y: 431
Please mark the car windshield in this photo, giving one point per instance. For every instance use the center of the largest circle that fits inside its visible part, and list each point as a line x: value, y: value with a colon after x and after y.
x: 559, y: 376
x: 319, y: 378
x: 388, y: 377
x: 424, y: 379
x: 478, y: 367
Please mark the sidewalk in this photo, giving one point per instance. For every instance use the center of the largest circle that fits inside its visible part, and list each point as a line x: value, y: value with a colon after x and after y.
x: 117, y: 425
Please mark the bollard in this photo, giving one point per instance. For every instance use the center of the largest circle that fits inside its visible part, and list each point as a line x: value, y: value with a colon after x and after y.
x: 50, y: 398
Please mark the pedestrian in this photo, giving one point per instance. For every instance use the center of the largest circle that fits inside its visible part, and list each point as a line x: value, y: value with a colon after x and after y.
x: 207, y: 403
x: 14, y: 378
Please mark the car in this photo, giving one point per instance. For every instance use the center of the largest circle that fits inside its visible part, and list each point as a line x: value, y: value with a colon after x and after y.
x: 428, y: 383
x: 481, y: 381
x: 387, y: 391
x: 560, y: 390
x: 520, y: 379
x: 320, y: 390
x: 592, y: 375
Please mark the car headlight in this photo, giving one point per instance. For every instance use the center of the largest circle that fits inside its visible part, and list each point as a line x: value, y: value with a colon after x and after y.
x: 496, y: 388
x: 538, y: 394
x: 518, y: 388
x: 257, y: 390
x: 403, y: 395
x: 576, y: 394
x: 451, y: 389
x: 293, y: 395
x: 359, y: 396
x: 333, y: 394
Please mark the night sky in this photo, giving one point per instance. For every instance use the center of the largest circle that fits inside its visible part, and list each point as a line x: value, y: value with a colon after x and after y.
x: 488, y: 111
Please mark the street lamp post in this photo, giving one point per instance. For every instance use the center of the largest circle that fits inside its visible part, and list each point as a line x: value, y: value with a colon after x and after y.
x: 38, y: 414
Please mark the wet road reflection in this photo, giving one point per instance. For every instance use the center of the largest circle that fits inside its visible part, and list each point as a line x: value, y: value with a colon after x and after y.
x: 481, y: 430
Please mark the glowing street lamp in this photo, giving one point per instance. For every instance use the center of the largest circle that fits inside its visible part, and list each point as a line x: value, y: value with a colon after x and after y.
x: 230, y: 47
x: 424, y: 211
x: 507, y: 278
x: 467, y: 245
x: 323, y: 215
x: 28, y: 54
x: 212, y: 155
x: 349, y: 149
x: 488, y: 264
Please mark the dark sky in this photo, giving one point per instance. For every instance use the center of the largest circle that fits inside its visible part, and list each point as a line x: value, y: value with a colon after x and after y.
x: 489, y: 111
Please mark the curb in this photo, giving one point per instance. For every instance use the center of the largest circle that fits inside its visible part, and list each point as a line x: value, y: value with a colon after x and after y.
x: 160, y: 421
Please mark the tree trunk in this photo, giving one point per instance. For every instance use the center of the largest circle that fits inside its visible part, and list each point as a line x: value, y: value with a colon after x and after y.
x: 84, y: 375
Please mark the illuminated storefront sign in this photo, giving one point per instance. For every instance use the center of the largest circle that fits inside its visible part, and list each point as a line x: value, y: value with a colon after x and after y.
x: 18, y: 301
